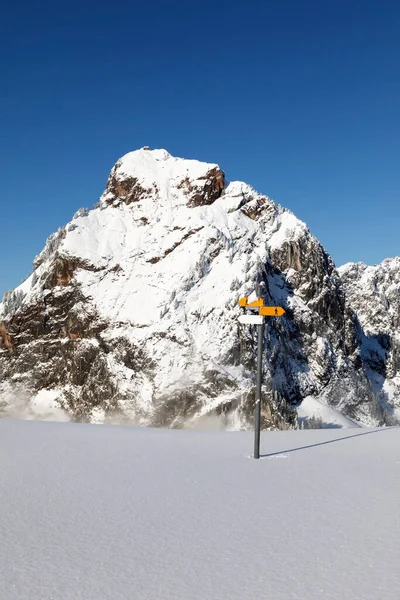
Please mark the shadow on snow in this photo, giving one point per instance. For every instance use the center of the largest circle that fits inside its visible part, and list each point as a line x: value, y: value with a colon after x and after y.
x: 341, y: 439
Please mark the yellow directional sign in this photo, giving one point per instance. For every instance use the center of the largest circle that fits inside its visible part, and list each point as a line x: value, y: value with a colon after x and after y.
x: 272, y: 311
x: 256, y: 303
x: 265, y: 311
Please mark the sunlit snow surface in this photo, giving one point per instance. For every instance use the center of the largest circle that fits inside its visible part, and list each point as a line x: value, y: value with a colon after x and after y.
x: 95, y: 513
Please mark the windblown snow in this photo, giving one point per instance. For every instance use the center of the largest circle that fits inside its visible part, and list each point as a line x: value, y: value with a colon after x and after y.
x: 111, y: 513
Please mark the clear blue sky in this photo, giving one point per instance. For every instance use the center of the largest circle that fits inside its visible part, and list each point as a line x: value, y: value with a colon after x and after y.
x: 299, y: 98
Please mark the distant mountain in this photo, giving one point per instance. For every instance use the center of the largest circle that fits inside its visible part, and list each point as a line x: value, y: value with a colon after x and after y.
x: 374, y: 295
x: 131, y: 311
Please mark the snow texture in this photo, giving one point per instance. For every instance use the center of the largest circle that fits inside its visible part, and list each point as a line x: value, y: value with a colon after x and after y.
x: 117, y: 513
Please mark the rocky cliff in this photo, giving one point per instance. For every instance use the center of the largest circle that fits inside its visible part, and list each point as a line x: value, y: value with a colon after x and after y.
x: 374, y: 295
x: 131, y: 311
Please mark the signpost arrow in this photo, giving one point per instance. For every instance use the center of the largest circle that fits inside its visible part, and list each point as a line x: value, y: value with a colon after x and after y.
x: 265, y: 311
x: 256, y: 304
x: 251, y: 319
x: 272, y: 311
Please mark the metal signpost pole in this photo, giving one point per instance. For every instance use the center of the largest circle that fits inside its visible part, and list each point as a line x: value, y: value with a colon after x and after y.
x: 258, y: 320
x: 257, y: 409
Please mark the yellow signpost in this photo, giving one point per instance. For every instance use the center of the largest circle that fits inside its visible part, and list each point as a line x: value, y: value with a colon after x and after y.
x: 272, y: 311
x: 263, y: 311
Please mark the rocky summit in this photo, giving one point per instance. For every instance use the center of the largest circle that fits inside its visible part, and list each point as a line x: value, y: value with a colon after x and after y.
x: 130, y: 314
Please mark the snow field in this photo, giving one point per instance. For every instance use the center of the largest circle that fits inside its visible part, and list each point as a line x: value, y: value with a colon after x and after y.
x: 112, y: 513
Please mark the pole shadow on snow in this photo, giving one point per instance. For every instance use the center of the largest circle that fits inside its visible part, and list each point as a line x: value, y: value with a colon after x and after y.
x: 341, y: 439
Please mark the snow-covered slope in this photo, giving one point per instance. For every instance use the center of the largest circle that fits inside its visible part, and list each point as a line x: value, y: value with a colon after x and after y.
x: 131, y: 311
x: 314, y: 413
x: 107, y: 513
x: 374, y: 294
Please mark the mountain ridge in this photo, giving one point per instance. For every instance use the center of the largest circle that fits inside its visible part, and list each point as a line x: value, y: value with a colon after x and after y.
x: 131, y: 311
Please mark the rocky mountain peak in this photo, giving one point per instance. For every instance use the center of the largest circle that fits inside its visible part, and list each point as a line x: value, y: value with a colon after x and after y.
x: 154, y: 176
x: 373, y: 292
x: 131, y: 310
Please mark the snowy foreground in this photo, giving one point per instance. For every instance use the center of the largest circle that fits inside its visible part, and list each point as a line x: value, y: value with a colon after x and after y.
x: 100, y: 512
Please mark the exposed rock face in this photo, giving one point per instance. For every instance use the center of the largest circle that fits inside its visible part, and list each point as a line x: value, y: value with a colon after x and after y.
x: 374, y: 294
x: 198, y: 191
x: 131, y: 311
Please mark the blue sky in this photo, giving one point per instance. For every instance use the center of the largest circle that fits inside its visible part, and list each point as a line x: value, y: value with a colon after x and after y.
x: 301, y: 99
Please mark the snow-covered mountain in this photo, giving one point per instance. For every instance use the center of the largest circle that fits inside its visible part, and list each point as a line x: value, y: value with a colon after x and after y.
x: 131, y: 310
